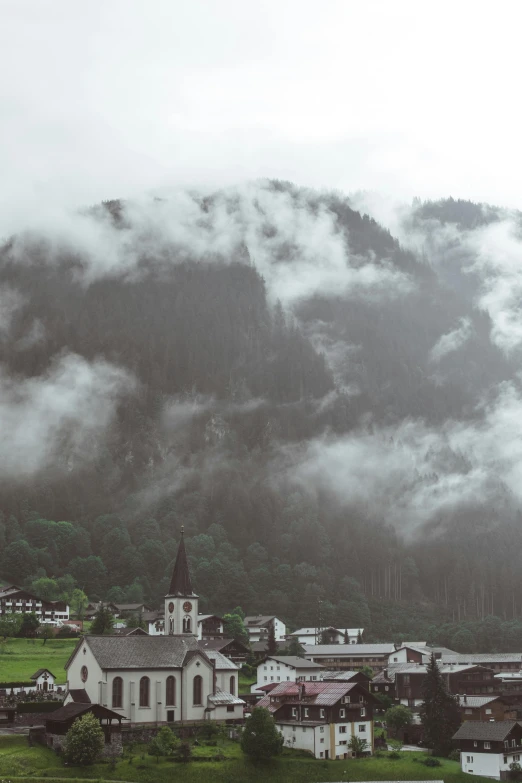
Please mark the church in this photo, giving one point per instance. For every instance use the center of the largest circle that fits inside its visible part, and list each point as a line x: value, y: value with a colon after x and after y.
x: 158, y: 679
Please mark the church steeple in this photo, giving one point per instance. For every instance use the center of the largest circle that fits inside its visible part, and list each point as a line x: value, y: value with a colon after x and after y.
x: 181, y: 603
x: 181, y: 584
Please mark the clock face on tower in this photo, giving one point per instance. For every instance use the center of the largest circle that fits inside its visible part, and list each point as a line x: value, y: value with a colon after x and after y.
x: 187, y: 606
x: 171, y: 607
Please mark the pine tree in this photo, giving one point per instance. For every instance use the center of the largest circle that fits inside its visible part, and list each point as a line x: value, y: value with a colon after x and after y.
x: 359, y: 637
x: 260, y: 739
x: 271, y: 646
x: 103, y: 621
x: 84, y: 741
x: 440, y: 711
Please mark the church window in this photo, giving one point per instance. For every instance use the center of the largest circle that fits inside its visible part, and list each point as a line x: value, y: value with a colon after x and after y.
x: 171, y: 625
x: 84, y: 673
x: 170, y: 695
x: 144, y: 691
x: 187, y: 625
x: 117, y: 692
x: 197, y: 690
x: 233, y: 685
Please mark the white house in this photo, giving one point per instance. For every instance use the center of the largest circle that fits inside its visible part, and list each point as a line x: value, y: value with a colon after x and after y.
x: 487, y: 748
x: 158, y: 679
x: 349, y: 656
x: 335, y: 635
x: 289, y: 668
x: 15, y: 599
x: 257, y: 627
x: 43, y: 680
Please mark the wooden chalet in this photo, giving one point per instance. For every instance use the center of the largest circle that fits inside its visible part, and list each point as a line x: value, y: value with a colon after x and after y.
x: 59, y: 722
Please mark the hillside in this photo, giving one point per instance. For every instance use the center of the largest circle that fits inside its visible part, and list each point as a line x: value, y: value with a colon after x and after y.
x: 332, y: 413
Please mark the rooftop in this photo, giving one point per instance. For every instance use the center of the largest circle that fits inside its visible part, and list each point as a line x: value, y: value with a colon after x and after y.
x: 485, y: 729
x: 295, y: 661
x: 348, y: 649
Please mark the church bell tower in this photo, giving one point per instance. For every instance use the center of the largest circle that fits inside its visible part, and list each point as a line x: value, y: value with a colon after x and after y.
x: 181, y: 603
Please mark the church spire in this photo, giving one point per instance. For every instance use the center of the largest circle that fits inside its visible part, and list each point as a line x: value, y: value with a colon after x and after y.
x: 180, y: 584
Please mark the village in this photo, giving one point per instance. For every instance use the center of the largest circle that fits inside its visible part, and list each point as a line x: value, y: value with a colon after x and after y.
x: 327, y: 693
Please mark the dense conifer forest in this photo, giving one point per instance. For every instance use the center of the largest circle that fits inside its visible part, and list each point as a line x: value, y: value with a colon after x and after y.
x: 332, y: 412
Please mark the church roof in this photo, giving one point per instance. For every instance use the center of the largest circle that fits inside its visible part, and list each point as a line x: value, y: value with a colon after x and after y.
x: 181, y: 584
x: 148, y: 652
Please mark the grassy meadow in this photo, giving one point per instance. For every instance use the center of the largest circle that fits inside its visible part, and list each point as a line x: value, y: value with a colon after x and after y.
x: 18, y: 760
x: 19, y: 658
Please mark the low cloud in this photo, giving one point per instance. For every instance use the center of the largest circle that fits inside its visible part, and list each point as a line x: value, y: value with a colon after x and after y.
x: 452, y: 341
x: 412, y: 475
x: 293, y: 240
x: 11, y: 301
x: 60, y: 419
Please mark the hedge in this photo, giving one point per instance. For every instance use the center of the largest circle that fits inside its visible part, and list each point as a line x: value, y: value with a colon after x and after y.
x: 21, y: 684
x: 38, y: 706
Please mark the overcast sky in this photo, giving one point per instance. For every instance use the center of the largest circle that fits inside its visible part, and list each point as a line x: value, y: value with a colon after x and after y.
x: 112, y: 98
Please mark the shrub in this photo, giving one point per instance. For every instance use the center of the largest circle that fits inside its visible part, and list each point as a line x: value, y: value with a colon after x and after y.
x: 454, y: 755
x: 17, y: 684
x: 394, y: 755
x: 84, y: 741
x: 37, y: 706
x: 431, y: 762
x: 260, y: 739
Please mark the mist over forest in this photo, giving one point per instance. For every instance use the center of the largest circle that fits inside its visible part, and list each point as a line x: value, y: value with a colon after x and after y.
x: 324, y: 390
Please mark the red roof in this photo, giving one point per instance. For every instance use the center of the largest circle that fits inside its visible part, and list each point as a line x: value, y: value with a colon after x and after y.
x: 321, y: 693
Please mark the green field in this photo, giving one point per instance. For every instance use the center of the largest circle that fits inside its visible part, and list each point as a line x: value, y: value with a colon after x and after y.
x: 17, y: 760
x: 19, y: 658
x: 245, y: 683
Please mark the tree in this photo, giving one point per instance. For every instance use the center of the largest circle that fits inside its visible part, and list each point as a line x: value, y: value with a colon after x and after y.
x: 359, y: 637
x: 45, y: 588
x: 79, y: 603
x: 295, y: 648
x: 368, y: 671
x: 46, y: 632
x: 163, y: 744
x: 358, y: 745
x: 30, y: 624
x: 136, y: 621
x: 84, y: 741
x: 103, y: 621
x: 235, y: 627
x: 398, y: 717
x: 10, y: 624
x: 271, y: 645
x: 439, y: 712
x: 260, y: 739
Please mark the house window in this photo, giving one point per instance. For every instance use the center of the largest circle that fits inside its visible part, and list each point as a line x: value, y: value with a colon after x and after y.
x: 117, y: 692
x: 487, y: 745
x: 505, y: 759
x: 342, y: 729
x: 304, y: 728
x: 513, y: 743
x: 278, y: 679
x: 469, y: 759
x: 197, y: 690
x: 306, y: 712
x: 294, y: 728
x: 230, y: 708
x: 475, y: 744
x: 286, y: 678
x: 170, y: 691
x: 321, y: 713
x: 488, y: 712
x: 322, y: 739
x: 363, y: 712
x: 170, y: 716
x: 144, y: 691
x: 506, y: 744
x: 516, y: 757
x: 232, y: 687
x: 362, y: 727
x: 294, y: 712
x: 469, y: 712
x: 321, y: 729
x: 321, y: 755
x: 341, y: 713
x: 342, y: 742
x: 266, y: 678
x: 386, y: 688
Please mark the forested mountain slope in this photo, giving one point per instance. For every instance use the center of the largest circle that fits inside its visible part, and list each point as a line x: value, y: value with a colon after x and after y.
x: 331, y: 413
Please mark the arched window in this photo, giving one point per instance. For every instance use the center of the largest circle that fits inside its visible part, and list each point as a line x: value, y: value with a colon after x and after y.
x: 187, y: 624
x: 171, y: 626
x: 170, y: 694
x: 144, y: 691
x: 197, y: 690
x: 117, y: 692
x: 232, y: 688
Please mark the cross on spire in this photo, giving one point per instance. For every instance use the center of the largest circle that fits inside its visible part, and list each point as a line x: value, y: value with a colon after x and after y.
x: 181, y: 584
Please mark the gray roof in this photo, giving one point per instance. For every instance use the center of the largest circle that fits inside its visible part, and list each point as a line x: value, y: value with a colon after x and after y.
x: 475, y: 701
x: 348, y: 649
x: 259, y: 621
x: 79, y: 695
x: 343, y: 676
x: 148, y: 652
x: 295, y: 661
x: 39, y: 672
x: 223, y: 697
x: 478, y: 658
x: 485, y: 729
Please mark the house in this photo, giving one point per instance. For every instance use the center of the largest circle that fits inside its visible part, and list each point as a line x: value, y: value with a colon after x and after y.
x: 92, y: 608
x: 288, y: 668
x: 231, y: 648
x: 499, y: 662
x: 486, y: 708
x: 335, y: 635
x: 331, y: 675
x: 15, y: 599
x: 58, y: 723
x: 322, y: 717
x: 487, y: 748
x: 125, y: 610
x: 257, y: 627
x: 158, y: 679
x: 43, y: 680
x: 349, y: 656
x: 154, y: 622
x: 469, y: 680
x: 210, y: 626
x: 128, y: 632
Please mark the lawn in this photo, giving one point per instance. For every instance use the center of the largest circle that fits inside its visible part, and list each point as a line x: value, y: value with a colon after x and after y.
x: 17, y: 760
x: 19, y: 658
x: 245, y: 682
